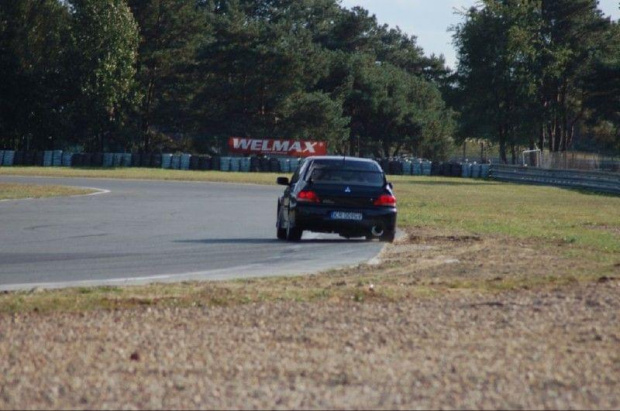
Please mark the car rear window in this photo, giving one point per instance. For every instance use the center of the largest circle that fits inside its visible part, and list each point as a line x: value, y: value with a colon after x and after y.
x: 348, y: 164
x: 328, y: 175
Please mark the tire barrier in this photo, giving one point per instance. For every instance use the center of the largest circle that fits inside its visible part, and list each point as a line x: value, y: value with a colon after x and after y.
x: 254, y: 164
x: 295, y: 163
x: 126, y: 160
x: 285, y: 165
x: 87, y: 160
x: 8, y: 158
x: 263, y: 165
x: 235, y: 164
x: 466, y: 172
x: 146, y: 160
x: 245, y: 165
x: 97, y: 160
x: 485, y: 170
x: 118, y: 159
x: 175, y: 163
x: 205, y: 163
x: 194, y: 163
x: 29, y: 158
x: 19, y: 158
x: 47, y: 158
x: 56, y: 158
x: 166, y: 161
x: 186, y: 161
x: 108, y: 159
x: 136, y: 159
x: 39, y: 159
x: 407, y: 168
x: 66, y: 159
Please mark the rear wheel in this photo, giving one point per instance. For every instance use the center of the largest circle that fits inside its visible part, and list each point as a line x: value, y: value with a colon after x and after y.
x: 388, y: 237
x: 293, y: 233
x: 281, y: 232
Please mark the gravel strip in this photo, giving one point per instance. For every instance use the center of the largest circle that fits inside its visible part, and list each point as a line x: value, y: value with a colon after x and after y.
x: 529, y: 349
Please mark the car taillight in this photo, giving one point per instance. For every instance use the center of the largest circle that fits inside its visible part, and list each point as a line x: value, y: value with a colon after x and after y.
x: 385, y: 200
x: 307, y: 196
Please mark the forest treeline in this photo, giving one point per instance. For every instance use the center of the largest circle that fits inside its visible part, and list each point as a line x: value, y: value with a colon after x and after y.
x: 166, y: 75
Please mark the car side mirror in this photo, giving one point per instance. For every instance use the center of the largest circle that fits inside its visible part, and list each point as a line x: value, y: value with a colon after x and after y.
x: 390, y: 186
x: 283, y: 181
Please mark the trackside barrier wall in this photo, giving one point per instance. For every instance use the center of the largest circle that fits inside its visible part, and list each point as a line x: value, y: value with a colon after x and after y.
x: 67, y: 159
x: 166, y: 160
x: 7, y: 159
x: 586, y: 180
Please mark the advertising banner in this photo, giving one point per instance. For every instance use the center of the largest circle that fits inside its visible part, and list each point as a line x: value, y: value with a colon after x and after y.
x: 292, y: 148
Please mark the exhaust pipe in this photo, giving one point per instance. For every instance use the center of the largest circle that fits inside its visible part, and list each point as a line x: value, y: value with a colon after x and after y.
x: 377, y: 230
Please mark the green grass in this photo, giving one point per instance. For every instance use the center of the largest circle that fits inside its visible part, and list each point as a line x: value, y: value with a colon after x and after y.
x: 521, y: 211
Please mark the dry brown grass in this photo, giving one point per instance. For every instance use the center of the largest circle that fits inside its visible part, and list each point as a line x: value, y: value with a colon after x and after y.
x: 14, y: 191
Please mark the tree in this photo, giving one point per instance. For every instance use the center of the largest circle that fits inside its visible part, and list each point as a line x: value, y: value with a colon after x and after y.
x: 496, y: 47
x: 603, y: 94
x: 393, y: 111
x: 314, y: 116
x: 170, y: 33
x: 36, y: 87
x: 572, y: 33
x: 522, y: 70
x: 250, y: 69
x: 105, y: 41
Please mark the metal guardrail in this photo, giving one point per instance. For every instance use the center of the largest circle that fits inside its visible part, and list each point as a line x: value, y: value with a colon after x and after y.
x: 585, y: 180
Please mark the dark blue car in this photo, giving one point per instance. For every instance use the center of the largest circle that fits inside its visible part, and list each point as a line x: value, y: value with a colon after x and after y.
x: 349, y: 196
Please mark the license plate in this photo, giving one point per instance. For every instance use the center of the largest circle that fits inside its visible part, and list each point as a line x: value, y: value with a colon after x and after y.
x: 342, y: 215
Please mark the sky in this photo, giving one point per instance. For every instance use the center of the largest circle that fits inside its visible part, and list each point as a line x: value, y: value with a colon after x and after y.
x: 429, y: 20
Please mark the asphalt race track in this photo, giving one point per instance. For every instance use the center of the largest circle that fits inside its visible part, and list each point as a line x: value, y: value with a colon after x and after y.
x: 152, y: 231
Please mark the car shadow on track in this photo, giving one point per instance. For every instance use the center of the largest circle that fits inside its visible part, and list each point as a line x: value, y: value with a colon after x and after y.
x: 271, y: 241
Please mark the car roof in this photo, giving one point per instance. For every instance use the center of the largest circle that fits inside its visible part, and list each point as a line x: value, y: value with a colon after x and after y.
x: 343, y: 158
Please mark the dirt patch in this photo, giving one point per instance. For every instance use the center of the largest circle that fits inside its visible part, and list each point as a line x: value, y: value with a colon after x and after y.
x: 610, y: 229
x: 545, y: 349
x: 465, y: 261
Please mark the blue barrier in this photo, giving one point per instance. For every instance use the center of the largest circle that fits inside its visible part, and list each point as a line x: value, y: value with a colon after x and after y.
x: 166, y: 161
x: 8, y: 157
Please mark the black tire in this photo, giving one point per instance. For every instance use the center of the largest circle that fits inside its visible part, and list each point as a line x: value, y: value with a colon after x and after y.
x: 281, y: 232
x: 293, y: 233
x: 388, y: 237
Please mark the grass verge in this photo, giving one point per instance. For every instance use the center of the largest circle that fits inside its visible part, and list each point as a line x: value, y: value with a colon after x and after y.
x: 12, y: 191
x: 142, y: 174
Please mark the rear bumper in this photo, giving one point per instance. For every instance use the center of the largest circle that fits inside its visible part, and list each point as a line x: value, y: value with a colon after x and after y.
x: 318, y: 218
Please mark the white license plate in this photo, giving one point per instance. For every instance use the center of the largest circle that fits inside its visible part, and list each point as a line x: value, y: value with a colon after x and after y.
x: 342, y: 215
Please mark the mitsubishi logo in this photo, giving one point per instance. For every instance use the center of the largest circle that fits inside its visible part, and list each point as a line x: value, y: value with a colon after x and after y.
x: 347, y: 190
